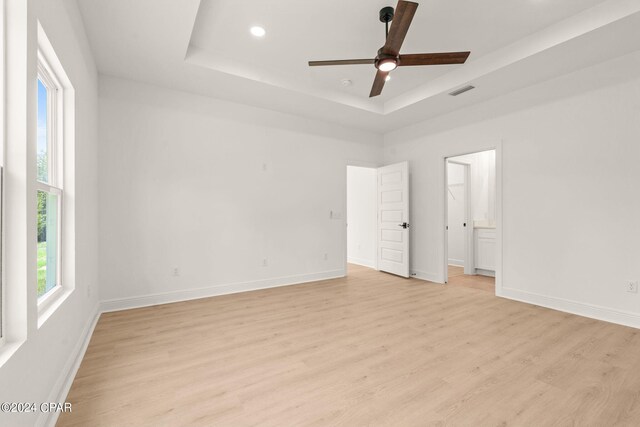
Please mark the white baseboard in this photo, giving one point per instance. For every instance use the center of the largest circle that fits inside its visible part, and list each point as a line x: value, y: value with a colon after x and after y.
x: 489, y: 273
x: 456, y: 262
x: 430, y: 277
x: 361, y: 261
x: 65, y: 380
x: 574, y: 307
x: 232, y: 288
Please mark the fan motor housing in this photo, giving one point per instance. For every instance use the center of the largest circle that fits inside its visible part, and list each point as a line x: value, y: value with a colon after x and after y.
x: 386, y: 14
x: 382, y: 56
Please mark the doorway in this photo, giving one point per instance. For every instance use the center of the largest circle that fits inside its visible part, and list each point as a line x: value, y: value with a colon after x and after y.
x: 378, y: 218
x: 361, y: 216
x: 470, y: 208
x: 458, y: 217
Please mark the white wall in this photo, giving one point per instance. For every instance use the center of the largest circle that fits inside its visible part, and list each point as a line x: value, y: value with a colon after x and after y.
x: 361, y: 215
x: 44, y: 357
x: 483, y: 184
x: 214, y: 189
x: 570, y: 227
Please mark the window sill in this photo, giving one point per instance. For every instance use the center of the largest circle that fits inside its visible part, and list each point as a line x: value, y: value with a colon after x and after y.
x: 7, y: 349
x: 49, y: 303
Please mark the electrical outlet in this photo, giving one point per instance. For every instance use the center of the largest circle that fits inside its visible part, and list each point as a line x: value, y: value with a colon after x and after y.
x: 176, y: 272
x: 265, y: 262
x: 326, y: 257
x: 632, y: 286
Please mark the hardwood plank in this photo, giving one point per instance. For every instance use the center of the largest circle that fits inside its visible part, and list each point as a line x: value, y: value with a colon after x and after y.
x: 368, y: 349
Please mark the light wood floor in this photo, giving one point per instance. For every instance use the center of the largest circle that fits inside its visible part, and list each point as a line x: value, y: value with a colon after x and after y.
x: 368, y: 350
x: 454, y: 270
x: 482, y: 283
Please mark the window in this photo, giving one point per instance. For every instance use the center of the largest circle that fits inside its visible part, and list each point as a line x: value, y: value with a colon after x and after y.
x: 54, y: 223
x: 49, y: 180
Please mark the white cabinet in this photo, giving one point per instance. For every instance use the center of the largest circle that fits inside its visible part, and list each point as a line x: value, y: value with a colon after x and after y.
x: 485, y: 248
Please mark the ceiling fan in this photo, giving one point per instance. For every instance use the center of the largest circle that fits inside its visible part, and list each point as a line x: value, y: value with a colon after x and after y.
x: 389, y: 57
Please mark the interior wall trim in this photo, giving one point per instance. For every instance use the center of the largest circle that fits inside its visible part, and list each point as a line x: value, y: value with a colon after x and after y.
x: 210, y: 291
x: 428, y: 276
x: 592, y: 311
x: 63, y: 384
x: 361, y: 261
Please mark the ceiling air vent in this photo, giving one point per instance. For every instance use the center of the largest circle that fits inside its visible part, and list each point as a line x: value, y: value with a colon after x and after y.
x: 461, y: 90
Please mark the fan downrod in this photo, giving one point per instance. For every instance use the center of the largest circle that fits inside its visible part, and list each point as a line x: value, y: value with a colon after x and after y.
x: 386, y: 16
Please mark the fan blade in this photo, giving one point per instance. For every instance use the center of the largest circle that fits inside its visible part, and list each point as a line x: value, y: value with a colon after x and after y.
x: 433, y: 58
x: 399, y: 27
x: 378, y: 83
x: 342, y: 62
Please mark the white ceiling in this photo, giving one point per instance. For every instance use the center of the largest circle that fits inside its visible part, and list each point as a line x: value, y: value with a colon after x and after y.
x: 205, y: 47
x: 299, y: 31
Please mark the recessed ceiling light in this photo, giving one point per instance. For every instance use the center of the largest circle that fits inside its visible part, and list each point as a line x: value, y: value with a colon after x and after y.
x: 386, y: 79
x: 346, y: 82
x: 258, y: 31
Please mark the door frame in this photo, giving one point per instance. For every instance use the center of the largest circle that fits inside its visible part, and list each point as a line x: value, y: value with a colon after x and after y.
x: 448, y: 153
x: 359, y: 164
x: 469, y: 265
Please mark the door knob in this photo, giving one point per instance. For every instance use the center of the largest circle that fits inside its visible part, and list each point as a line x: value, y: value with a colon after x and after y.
x: 404, y: 225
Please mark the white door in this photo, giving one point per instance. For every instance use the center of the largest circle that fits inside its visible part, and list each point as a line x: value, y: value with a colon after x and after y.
x: 393, y: 219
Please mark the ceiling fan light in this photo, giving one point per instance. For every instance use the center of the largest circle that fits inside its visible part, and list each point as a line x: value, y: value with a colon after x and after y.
x: 387, y: 65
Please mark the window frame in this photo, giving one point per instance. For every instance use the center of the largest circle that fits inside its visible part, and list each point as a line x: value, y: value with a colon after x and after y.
x: 2, y: 279
x: 2, y: 158
x: 55, y: 171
